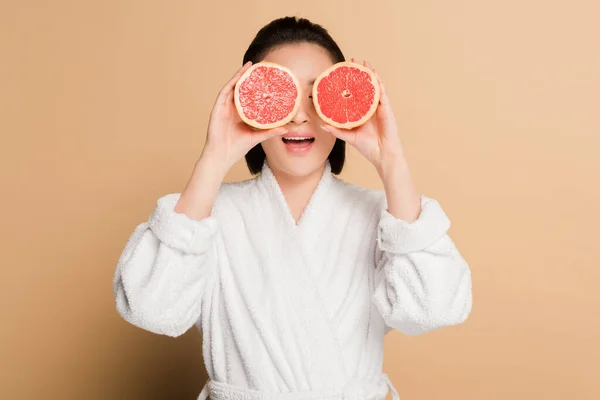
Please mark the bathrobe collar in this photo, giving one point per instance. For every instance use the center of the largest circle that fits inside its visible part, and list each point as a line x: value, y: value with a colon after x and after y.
x: 317, y: 204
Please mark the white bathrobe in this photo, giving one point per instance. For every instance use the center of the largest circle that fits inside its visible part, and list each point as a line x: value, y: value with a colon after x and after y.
x: 293, y: 311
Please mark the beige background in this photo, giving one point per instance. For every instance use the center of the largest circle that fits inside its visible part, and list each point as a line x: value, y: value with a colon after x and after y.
x: 104, y: 106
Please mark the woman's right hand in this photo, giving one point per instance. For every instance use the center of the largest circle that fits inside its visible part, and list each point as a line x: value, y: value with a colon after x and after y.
x: 228, y: 137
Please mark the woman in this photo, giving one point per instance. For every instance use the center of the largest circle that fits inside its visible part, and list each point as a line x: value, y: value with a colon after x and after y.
x: 293, y: 277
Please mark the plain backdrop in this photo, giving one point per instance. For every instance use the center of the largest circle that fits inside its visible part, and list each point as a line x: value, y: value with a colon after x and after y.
x: 104, y: 108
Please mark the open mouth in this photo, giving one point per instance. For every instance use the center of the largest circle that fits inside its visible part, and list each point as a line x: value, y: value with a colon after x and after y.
x: 298, y: 140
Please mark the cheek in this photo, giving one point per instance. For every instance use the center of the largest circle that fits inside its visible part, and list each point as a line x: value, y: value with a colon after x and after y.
x: 327, y: 141
x: 270, y: 145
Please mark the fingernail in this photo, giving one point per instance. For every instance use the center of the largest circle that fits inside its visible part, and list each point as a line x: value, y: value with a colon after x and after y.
x: 325, y: 128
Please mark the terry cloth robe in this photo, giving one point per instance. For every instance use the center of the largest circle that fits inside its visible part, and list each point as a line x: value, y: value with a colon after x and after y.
x: 293, y: 311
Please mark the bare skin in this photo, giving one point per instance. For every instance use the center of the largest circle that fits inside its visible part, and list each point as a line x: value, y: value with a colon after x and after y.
x: 298, y: 173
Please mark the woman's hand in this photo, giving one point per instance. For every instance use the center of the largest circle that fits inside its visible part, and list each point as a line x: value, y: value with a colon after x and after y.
x: 377, y: 139
x: 379, y: 142
x: 228, y: 137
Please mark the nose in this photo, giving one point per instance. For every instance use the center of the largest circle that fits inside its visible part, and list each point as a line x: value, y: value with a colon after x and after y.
x: 303, y: 114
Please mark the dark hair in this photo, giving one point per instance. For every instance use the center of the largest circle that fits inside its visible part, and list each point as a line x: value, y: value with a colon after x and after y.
x: 288, y: 30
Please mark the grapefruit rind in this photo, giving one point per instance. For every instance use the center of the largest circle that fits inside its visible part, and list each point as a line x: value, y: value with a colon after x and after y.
x: 349, y: 124
x: 238, y: 105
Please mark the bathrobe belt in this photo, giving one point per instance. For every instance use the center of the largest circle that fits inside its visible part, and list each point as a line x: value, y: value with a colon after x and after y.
x: 355, y: 390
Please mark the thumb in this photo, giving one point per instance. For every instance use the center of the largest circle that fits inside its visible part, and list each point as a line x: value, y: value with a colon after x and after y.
x: 267, y: 134
x: 343, y: 134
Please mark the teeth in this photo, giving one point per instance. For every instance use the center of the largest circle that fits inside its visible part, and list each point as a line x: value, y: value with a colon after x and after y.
x: 298, y: 138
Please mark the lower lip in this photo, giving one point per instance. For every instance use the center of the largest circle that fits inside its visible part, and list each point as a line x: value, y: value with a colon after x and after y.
x: 298, y: 148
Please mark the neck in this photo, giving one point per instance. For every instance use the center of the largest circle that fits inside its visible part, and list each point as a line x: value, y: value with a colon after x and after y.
x: 298, y: 184
x: 298, y: 190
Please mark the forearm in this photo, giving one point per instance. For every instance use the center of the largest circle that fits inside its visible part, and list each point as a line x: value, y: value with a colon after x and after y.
x: 404, y: 202
x: 197, y: 199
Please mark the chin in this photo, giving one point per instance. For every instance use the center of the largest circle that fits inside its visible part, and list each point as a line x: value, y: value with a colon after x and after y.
x: 300, y: 168
x: 297, y: 162
x: 296, y: 167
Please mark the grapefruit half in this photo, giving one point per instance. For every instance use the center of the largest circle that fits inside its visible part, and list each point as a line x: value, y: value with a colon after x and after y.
x: 346, y: 95
x: 267, y: 95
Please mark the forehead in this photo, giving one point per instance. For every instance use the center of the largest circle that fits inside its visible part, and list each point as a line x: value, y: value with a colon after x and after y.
x: 305, y: 60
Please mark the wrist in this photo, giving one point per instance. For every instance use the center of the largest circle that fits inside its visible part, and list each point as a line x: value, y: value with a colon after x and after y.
x: 212, y: 165
x: 214, y: 162
x: 392, y: 168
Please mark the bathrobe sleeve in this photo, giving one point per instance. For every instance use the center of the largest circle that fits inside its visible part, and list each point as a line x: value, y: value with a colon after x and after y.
x: 421, y: 281
x: 165, y: 269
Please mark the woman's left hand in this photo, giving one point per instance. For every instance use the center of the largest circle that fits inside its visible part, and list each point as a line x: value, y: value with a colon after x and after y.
x: 377, y: 139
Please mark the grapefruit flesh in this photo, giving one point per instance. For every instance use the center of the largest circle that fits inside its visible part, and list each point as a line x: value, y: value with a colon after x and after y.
x: 346, y: 95
x: 267, y: 95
